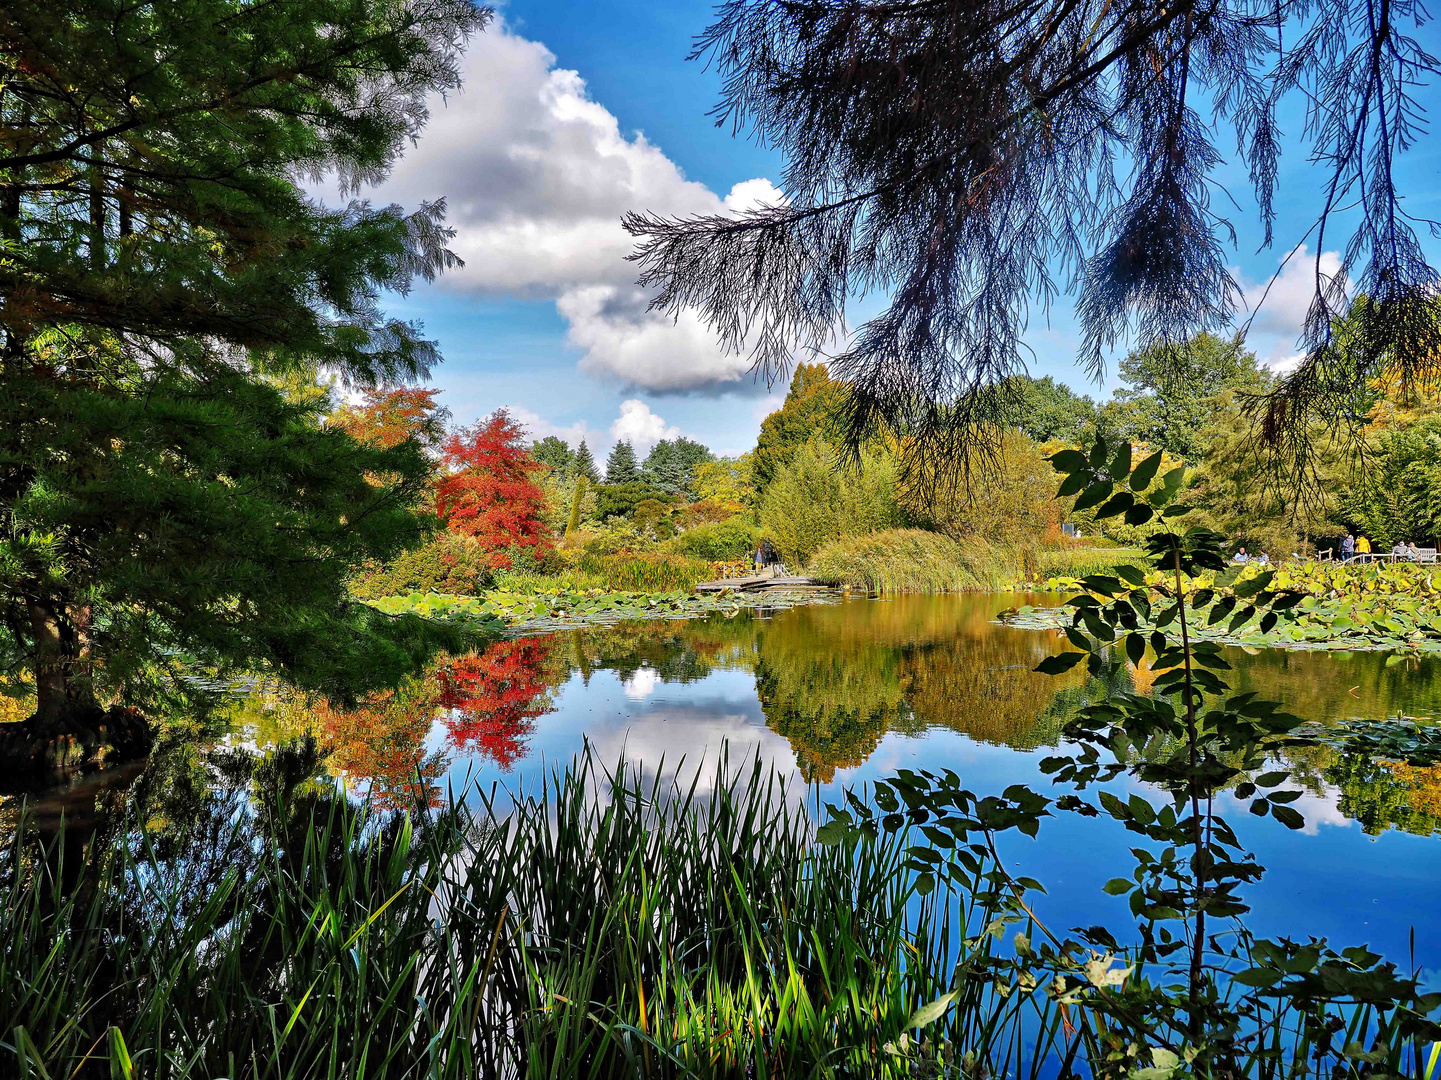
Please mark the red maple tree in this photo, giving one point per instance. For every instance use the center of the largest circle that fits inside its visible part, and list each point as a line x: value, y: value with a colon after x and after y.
x: 486, y: 490
x: 495, y: 697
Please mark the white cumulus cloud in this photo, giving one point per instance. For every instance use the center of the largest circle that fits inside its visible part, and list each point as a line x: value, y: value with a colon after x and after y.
x: 639, y: 348
x: 1278, y: 306
x: 537, y: 176
x: 639, y: 426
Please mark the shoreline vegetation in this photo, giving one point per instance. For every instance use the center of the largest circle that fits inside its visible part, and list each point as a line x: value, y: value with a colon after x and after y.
x: 544, y: 610
x: 920, y: 561
x: 707, y: 927
x: 701, y: 931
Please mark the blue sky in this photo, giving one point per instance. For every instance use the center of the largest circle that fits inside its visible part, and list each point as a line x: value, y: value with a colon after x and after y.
x: 573, y: 114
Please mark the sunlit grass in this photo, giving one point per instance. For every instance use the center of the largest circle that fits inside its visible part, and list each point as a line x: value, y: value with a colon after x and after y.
x: 641, y: 928
x: 594, y: 925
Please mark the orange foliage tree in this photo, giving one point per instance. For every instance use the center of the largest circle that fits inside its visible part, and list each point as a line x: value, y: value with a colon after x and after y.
x: 386, y: 418
x: 495, y: 697
x: 486, y: 490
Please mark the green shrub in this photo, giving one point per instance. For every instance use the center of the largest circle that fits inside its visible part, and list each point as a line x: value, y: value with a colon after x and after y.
x: 447, y: 563
x: 615, y: 536
x: 916, y: 561
x: 721, y: 541
x: 622, y: 500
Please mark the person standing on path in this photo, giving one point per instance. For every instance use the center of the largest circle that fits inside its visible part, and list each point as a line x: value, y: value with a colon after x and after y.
x: 1348, y: 545
x: 1363, y: 546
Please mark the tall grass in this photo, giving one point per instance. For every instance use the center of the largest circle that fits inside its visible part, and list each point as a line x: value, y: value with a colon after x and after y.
x: 651, y: 573
x: 918, y: 561
x: 1080, y: 561
x: 646, y: 573
x: 618, y: 928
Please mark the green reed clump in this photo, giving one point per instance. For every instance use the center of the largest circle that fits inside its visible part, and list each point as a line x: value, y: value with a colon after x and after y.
x: 598, y: 926
x: 646, y: 573
x: 1077, y: 562
x: 919, y: 561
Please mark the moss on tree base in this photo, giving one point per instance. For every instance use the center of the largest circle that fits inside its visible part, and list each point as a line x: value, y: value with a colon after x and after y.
x: 78, y: 741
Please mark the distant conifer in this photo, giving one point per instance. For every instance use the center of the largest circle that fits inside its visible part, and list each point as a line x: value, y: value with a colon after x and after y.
x: 585, y: 463
x: 621, y: 467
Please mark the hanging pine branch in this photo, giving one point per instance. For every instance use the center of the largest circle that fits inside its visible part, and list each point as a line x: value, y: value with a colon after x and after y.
x: 973, y: 161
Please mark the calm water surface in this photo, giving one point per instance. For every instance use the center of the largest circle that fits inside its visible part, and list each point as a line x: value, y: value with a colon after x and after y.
x: 839, y: 694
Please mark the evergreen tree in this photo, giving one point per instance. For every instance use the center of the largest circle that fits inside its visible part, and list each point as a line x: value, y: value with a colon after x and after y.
x: 188, y: 514
x: 621, y: 466
x: 1231, y: 493
x: 146, y: 188
x: 553, y: 453
x: 158, y: 495
x: 577, y: 501
x: 670, y: 466
x: 585, y: 463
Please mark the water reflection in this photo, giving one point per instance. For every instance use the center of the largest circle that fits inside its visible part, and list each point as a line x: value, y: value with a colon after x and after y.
x: 835, y: 694
x: 818, y: 690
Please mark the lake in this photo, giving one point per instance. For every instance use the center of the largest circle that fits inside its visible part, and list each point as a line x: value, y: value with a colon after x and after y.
x: 836, y: 694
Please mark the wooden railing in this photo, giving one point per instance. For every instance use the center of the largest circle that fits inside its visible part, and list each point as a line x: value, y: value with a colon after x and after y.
x: 1420, y: 555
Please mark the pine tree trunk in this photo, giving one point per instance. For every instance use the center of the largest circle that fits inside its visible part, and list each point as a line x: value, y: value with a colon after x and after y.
x: 97, y: 212
x: 70, y: 729
x: 53, y: 667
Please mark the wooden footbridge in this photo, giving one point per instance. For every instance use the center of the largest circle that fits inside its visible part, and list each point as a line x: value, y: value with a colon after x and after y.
x: 772, y: 577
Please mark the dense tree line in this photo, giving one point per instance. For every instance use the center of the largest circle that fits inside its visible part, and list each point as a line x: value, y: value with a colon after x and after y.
x: 1189, y: 400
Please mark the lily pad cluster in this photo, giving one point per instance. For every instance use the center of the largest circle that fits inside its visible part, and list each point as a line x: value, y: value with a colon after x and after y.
x: 545, y: 611
x: 1372, y: 608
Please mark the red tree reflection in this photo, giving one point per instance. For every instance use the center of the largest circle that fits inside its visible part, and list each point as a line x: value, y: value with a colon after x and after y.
x: 495, y: 698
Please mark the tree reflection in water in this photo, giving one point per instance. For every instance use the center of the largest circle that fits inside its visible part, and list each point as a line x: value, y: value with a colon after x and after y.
x: 395, y: 746
x: 380, y: 744
x: 834, y: 684
x: 832, y: 680
x: 492, y: 699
